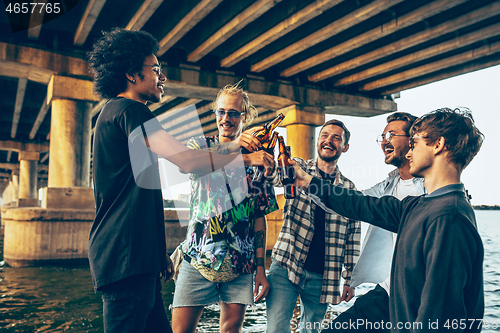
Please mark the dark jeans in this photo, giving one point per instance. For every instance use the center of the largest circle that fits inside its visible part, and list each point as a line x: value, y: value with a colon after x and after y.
x: 370, y: 313
x: 135, y: 305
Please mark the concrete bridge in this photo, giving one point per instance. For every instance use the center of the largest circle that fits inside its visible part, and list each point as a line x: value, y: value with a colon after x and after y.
x: 301, y: 57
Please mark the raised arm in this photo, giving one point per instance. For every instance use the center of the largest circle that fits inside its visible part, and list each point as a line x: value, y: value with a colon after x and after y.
x: 385, y: 212
x: 194, y: 161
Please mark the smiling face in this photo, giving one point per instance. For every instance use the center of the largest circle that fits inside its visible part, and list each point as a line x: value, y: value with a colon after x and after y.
x: 421, y: 157
x: 230, y: 128
x: 331, y: 143
x: 395, y: 151
x: 149, y: 87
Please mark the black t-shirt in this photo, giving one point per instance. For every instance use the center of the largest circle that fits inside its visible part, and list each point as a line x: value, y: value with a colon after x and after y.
x: 315, y: 261
x: 128, y: 233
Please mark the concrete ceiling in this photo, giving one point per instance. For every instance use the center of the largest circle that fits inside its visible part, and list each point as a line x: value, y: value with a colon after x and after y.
x: 338, y: 57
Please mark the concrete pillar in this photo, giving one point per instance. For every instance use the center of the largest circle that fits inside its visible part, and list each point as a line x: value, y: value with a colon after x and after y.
x: 58, y: 231
x: 300, y: 129
x: 14, y: 194
x: 28, y: 174
x: 7, y: 195
x: 70, y: 132
x: 70, y: 129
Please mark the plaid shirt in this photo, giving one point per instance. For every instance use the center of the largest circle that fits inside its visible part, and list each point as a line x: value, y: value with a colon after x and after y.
x: 342, y: 239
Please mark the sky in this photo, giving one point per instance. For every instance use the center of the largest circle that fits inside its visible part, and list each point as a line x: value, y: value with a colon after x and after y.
x: 479, y: 91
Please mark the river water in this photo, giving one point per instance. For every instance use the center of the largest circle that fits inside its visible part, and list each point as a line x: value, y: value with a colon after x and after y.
x: 52, y: 299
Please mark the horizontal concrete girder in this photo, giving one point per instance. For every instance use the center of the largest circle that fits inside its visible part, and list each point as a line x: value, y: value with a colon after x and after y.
x: 27, y: 146
x: 37, y: 65
x: 191, y: 83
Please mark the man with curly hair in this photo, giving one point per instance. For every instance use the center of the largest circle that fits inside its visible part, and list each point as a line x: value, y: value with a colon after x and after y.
x: 127, y: 247
x: 437, y: 266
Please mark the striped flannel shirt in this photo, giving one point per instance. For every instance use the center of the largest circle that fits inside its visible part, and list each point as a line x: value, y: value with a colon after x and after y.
x: 342, y: 238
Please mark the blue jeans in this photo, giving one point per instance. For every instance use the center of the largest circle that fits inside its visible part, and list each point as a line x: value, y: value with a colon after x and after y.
x: 135, y: 305
x: 282, y: 297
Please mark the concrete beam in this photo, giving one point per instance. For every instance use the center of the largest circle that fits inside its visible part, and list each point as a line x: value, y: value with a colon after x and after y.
x: 39, y: 119
x: 236, y: 24
x: 143, y: 14
x: 21, y: 89
x: 442, y: 75
x: 191, y: 83
x: 408, y: 60
x: 410, y: 41
x: 334, y: 28
x: 385, y: 29
x: 64, y: 87
x: 36, y: 20
x: 429, y: 68
x: 15, y: 166
x: 202, y: 9
x: 37, y: 65
x: 92, y: 11
x: 282, y: 28
x: 26, y: 146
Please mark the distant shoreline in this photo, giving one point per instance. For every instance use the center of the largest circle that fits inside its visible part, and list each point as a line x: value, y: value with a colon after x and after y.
x: 486, y: 207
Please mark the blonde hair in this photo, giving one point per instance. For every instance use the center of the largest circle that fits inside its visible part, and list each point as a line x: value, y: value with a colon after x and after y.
x: 235, y: 90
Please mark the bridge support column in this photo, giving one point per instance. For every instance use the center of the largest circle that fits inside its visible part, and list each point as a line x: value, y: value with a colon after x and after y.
x: 70, y: 131
x: 28, y: 196
x: 57, y: 232
x: 11, y: 192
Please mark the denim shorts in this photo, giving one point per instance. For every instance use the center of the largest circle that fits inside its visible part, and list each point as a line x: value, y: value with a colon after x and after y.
x: 192, y: 289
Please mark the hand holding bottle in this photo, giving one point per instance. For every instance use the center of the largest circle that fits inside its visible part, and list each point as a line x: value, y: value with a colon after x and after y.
x: 248, y: 141
x: 264, y: 133
x: 302, y: 179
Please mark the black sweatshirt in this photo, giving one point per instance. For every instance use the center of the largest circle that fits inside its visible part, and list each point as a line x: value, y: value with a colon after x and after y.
x: 437, y: 269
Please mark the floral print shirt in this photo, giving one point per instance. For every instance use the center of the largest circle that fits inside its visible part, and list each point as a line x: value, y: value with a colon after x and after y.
x: 222, y: 214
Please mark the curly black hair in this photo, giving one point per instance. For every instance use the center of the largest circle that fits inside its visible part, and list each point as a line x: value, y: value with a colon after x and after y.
x: 116, y: 53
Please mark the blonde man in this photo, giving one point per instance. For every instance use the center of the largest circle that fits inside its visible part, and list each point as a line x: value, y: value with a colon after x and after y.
x: 225, y: 242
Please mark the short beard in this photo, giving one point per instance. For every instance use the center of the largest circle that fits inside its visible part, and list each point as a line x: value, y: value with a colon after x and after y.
x: 398, y: 161
x: 328, y: 159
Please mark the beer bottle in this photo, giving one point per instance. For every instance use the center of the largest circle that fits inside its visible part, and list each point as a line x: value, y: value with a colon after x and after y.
x: 264, y: 135
x: 286, y: 171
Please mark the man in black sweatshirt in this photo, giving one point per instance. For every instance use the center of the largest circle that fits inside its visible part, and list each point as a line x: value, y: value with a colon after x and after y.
x: 436, y: 277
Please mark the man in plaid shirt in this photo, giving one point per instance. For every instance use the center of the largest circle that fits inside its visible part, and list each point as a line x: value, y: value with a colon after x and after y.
x: 313, y: 245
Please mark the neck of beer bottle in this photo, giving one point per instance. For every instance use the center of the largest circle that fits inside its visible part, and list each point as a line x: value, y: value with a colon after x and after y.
x: 270, y: 126
x: 272, y: 143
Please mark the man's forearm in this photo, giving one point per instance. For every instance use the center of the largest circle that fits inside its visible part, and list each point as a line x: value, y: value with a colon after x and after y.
x: 260, y: 241
x: 383, y: 212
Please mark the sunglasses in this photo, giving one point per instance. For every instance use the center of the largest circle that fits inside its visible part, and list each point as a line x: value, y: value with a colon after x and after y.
x: 230, y: 113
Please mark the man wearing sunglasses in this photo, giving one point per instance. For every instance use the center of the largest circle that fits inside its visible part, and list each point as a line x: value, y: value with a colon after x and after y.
x: 437, y: 268
x: 374, y: 263
x: 226, y: 236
